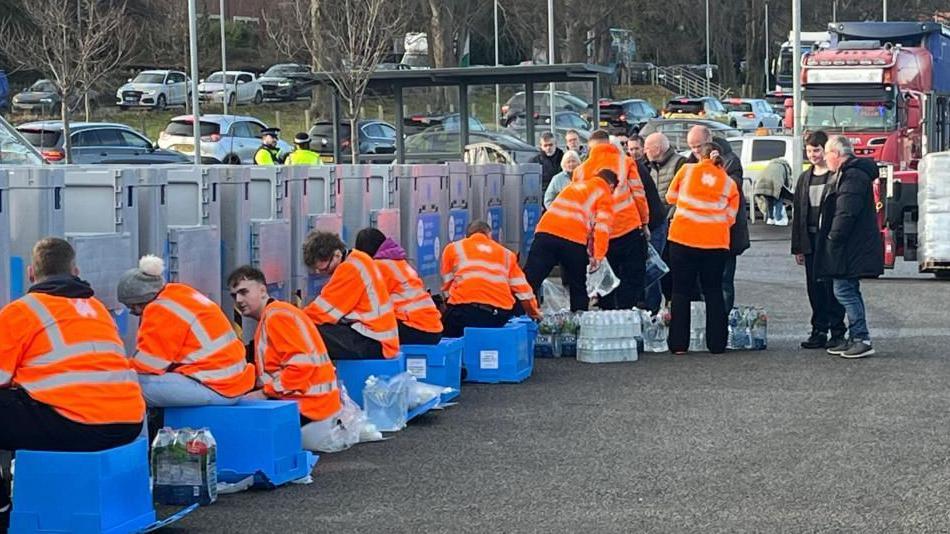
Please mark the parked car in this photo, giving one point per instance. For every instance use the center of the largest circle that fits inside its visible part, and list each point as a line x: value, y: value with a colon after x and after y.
x: 15, y: 149
x: 96, y: 143
x: 43, y: 97
x: 229, y: 139
x: 154, y: 89
x: 392, y: 66
x: 502, y: 149
x: 756, y: 151
x: 485, y: 147
x: 752, y: 113
x: 565, y: 120
x: 419, y: 123
x: 626, y: 117
x: 240, y: 87
x: 286, y: 81
x: 705, y: 107
x: 4, y: 91
x: 375, y: 137
x: 676, y: 130
x: 563, y: 101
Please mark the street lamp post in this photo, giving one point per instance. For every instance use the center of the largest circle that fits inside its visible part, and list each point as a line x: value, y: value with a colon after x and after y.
x: 193, y: 46
x: 767, y: 46
x: 551, y: 59
x: 497, y: 92
x: 708, y: 66
x: 885, y: 10
x: 797, y: 84
x: 224, y: 64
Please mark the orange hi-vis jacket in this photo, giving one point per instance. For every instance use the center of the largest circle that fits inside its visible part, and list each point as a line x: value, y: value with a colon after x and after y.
x: 66, y: 353
x: 582, y: 208
x: 631, y: 210
x: 476, y: 270
x: 292, y: 361
x: 706, y: 201
x: 185, y: 332
x: 357, y: 294
x: 413, y: 305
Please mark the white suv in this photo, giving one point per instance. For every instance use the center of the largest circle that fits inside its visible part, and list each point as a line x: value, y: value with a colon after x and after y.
x: 154, y: 89
x: 239, y: 86
x: 229, y: 139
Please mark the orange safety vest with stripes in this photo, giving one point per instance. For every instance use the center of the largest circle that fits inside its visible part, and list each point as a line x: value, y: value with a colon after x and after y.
x: 292, y: 361
x: 413, y: 305
x: 581, y: 213
x: 706, y: 201
x: 477, y: 270
x: 631, y: 210
x: 66, y: 353
x: 185, y: 332
x: 357, y: 295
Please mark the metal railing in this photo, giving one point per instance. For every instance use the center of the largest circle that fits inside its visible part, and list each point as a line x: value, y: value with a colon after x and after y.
x: 686, y: 82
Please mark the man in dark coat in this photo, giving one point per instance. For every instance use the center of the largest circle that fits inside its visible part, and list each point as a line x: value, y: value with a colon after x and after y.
x: 849, y: 240
x: 550, y: 159
x: 739, y: 233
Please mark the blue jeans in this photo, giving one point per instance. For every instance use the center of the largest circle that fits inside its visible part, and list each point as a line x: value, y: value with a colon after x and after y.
x: 848, y: 293
x: 654, y: 293
x: 729, y: 282
x: 172, y: 390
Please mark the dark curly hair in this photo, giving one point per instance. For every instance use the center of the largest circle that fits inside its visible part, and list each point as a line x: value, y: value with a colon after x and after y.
x: 320, y: 246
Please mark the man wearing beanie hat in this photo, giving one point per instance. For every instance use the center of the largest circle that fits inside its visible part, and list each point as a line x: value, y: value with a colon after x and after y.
x: 302, y: 155
x: 186, y: 353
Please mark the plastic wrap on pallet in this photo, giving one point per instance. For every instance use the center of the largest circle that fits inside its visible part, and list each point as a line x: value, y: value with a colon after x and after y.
x: 933, y: 199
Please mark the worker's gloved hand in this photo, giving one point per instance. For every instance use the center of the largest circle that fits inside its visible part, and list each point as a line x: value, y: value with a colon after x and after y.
x: 594, y: 264
x: 800, y: 259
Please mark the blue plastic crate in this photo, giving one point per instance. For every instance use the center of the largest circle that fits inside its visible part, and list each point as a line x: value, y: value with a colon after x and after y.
x: 437, y: 364
x: 254, y: 437
x: 532, y: 330
x: 494, y: 355
x: 83, y: 492
x: 353, y: 373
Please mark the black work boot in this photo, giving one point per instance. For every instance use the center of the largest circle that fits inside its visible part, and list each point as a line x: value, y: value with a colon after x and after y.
x: 816, y: 340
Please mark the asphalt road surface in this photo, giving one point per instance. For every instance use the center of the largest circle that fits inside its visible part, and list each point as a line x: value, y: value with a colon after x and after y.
x: 785, y: 440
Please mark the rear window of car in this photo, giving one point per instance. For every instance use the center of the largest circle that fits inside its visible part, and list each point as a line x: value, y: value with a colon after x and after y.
x: 611, y: 110
x: 185, y: 128
x: 326, y: 130
x: 738, y: 106
x: 684, y: 106
x: 41, y: 138
x: 767, y: 149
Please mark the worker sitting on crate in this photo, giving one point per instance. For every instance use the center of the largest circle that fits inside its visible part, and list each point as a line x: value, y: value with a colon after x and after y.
x: 417, y: 317
x: 482, y: 280
x: 353, y: 311
x: 289, y: 355
x: 302, y: 155
x: 186, y: 353
x: 268, y: 153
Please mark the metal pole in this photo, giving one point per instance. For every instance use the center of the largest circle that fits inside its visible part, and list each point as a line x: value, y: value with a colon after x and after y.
x: 767, y: 47
x: 797, y: 83
x: 224, y: 61
x: 551, y: 62
x: 885, y: 10
x: 193, y: 45
x: 708, y: 66
x: 834, y: 11
x: 497, y: 91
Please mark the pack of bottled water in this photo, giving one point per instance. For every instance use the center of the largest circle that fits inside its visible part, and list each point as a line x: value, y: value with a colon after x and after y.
x: 934, y: 208
x: 748, y: 328
x: 609, y: 336
x: 697, y: 326
x: 655, y: 330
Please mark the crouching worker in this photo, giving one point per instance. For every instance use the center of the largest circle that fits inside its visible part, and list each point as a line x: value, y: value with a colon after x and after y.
x: 65, y: 382
x: 289, y: 355
x: 353, y: 312
x: 186, y: 353
x: 482, y: 280
x: 417, y: 316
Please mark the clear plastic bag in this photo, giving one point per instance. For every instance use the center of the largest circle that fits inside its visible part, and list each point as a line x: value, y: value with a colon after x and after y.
x: 656, y: 267
x: 387, y: 401
x: 602, y: 280
x: 336, y: 433
x: 655, y: 331
x: 184, y: 466
x: 554, y: 297
x: 697, y: 326
x: 421, y: 393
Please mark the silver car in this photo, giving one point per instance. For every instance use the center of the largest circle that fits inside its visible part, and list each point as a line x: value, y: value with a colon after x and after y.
x: 752, y: 113
x: 229, y: 139
x: 154, y: 89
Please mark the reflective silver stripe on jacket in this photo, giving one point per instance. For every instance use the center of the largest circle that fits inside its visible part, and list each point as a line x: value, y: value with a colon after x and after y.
x: 372, y: 334
x: 220, y: 374
x: 209, y: 346
x: 688, y: 213
x: 328, y: 308
x: 418, y: 305
x: 60, y: 349
x: 88, y: 378
x: 151, y: 360
x: 5, y: 377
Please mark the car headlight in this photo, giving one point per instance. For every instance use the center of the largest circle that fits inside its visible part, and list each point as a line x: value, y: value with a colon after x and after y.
x: 285, y: 83
x: 219, y: 93
x: 46, y: 100
x: 151, y: 92
x: 16, y: 99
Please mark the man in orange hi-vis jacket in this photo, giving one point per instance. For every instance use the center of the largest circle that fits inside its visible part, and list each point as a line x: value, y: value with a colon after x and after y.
x: 580, y: 215
x: 627, y: 252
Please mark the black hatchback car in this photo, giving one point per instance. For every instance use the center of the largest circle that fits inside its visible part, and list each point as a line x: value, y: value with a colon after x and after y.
x: 626, y: 117
x: 96, y: 143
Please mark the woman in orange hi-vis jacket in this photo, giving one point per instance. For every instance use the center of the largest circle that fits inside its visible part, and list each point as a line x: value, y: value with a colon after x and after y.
x: 706, y: 201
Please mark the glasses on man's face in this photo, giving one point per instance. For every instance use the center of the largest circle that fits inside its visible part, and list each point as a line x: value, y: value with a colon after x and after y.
x: 323, y: 267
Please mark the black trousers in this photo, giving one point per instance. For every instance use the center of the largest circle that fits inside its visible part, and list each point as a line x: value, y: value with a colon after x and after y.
x: 708, y: 265
x: 344, y: 343
x: 627, y: 255
x: 548, y: 250
x: 459, y: 316
x: 827, y: 314
x: 413, y: 336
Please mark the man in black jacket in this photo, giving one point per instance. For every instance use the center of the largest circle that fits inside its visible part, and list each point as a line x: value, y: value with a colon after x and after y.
x: 849, y: 240
x: 827, y: 314
x: 739, y: 233
x: 549, y: 158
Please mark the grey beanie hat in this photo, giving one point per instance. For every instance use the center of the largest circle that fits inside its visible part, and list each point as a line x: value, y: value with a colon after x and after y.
x: 142, y: 284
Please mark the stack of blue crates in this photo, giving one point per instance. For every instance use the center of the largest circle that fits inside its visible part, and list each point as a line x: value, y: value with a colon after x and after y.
x: 495, y: 355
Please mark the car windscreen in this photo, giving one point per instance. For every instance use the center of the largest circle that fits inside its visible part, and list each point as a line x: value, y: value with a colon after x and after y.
x: 41, y: 138
x: 184, y: 128
x: 149, y: 77
x: 684, y: 106
x: 283, y: 70
x: 738, y: 106
x: 218, y: 78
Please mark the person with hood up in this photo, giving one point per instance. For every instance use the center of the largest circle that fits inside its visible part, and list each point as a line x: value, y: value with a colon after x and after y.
x: 770, y: 188
x: 849, y: 240
x: 417, y: 316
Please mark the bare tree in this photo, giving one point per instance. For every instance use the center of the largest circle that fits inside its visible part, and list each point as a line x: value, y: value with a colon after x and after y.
x: 74, y: 42
x: 287, y: 31
x: 357, y: 35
